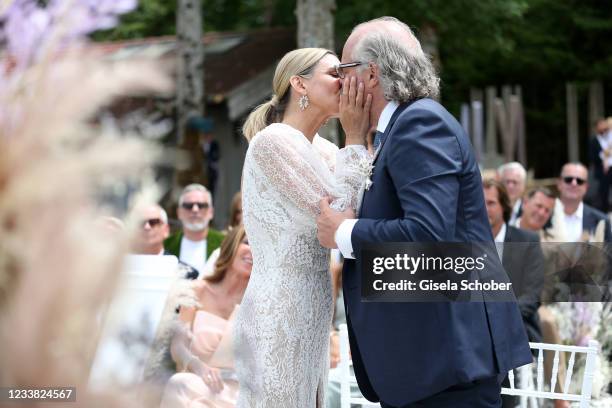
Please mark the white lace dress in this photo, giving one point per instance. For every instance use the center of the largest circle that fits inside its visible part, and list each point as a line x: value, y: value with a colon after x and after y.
x: 281, y: 336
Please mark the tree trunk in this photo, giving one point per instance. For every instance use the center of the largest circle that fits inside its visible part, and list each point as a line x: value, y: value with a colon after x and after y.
x: 190, y: 79
x: 316, y: 29
x: 573, y: 152
x: 189, y: 89
x: 315, y: 23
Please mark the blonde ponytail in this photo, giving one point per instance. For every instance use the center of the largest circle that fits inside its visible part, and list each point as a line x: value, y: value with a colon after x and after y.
x: 297, y: 62
x: 261, y: 117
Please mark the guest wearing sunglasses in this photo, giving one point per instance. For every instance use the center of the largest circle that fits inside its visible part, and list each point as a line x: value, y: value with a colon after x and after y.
x: 194, y: 244
x: 581, y: 220
x: 152, y: 232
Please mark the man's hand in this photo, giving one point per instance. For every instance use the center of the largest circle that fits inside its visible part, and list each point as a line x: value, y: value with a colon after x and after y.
x: 354, y: 111
x: 329, y: 221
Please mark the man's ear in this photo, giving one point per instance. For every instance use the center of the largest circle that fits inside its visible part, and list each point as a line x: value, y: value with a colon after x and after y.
x: 297, y: 83
x: 372, y: 75
x: 166, y: 231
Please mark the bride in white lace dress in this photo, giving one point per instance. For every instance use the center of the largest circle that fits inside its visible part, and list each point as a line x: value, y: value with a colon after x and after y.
x: 281, y: 336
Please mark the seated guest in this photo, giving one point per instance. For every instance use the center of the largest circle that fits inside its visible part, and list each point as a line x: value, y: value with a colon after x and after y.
x: 599, y: 158
x: 153, y: 230
x: 523, y: 262
x: 235, y: 220
x: 194, y: 244
x: 202, y: 346
x: 235, y: 216
x: 538, y: 208
x: 522, y: 259
x: 514, y: 177
x: 583, y: 223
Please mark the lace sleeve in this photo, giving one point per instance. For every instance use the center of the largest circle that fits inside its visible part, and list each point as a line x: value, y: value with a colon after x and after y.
x: 352, y: 168
x: 284, y: 165
x: 304, y: 175
x: 353, y: 172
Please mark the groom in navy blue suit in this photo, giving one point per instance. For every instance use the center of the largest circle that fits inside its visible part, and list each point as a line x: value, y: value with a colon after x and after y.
x: 426, y: 187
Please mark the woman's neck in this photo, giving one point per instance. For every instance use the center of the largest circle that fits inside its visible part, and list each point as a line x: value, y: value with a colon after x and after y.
x: 306, y: 122
x: 232, y: 286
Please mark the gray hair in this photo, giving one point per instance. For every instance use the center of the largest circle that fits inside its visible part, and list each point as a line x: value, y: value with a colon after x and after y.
x: 163, y: 215
x: 194, y: 187
x: 513, y: 166
x: 406, y: 72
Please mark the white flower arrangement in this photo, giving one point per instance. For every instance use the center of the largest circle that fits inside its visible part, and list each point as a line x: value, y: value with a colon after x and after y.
x: 366, y: 168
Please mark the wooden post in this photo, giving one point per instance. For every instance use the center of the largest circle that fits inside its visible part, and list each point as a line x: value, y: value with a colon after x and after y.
x: 491, y: 142
x: 504, y: 129
x: 572, y: 122
x: 190, y: 78
x: 477, y: 130
x: 596, y: 105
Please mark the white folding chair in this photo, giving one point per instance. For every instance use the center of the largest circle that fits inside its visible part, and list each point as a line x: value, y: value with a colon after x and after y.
x: 526, y: 389
x: 346, y: 378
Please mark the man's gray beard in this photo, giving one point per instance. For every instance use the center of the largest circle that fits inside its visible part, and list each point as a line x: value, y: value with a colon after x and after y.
x: 195, y: 227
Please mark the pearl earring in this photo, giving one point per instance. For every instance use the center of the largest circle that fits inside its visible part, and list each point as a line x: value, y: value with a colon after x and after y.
x: 303, y: 102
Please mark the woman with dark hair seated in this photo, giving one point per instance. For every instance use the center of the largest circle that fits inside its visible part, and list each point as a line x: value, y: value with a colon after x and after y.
x: 202, y: 346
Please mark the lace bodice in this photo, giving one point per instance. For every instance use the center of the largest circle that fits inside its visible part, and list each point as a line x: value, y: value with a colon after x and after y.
x: 282, y: 328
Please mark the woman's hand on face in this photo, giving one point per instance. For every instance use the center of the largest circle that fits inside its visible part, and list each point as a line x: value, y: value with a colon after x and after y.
x: 355, y: 111
x: 211, y: 377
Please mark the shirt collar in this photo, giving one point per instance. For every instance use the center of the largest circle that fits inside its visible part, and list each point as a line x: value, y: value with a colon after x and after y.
x: 385, y: 116
x: 501, y: 235
x: 579, y: 212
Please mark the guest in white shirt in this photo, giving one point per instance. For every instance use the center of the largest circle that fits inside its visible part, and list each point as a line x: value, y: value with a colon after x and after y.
x: 513, y: 176
x: 582, y: 222
x: 153, y: 230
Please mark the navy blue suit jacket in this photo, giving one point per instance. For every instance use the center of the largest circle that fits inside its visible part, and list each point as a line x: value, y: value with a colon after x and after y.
x: 426, y: 187
x: 591, y: 217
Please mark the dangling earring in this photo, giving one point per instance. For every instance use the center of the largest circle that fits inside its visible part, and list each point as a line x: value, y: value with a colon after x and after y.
x: 303, y: 102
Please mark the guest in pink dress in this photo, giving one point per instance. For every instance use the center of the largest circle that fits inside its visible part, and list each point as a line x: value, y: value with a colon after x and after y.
x: 202, y: 347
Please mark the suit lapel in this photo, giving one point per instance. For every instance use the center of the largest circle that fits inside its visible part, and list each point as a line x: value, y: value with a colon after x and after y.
x: 392, y: 121
x: 506, y: 255
x: 588, y: 220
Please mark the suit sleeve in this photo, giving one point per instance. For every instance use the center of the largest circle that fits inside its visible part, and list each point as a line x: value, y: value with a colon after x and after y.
x: 424, y: 161
x: 533, y: 282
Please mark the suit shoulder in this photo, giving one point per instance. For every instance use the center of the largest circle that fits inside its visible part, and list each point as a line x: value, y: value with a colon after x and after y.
x: 521, y: 235
x: 215, y: 238
x: 173, y: 242
x: 594, y: 212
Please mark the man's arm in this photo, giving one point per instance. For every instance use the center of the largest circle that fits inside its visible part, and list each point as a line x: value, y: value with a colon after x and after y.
x: 424, y: 162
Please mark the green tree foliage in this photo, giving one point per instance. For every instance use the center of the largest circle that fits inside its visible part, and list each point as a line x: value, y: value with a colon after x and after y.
x: 538, y: 44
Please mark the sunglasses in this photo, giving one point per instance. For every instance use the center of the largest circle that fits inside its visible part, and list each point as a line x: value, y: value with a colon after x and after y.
x: 579, y: 181
x: 189, y: 206
x: 340, y: 68
x: 153, y: 222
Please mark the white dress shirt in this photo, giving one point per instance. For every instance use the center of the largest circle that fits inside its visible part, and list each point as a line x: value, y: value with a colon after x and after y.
x: 514, y: 214
x: 193, y: 253
x: 499, y: 241
x: 573, y: 224
x: 345, y: 230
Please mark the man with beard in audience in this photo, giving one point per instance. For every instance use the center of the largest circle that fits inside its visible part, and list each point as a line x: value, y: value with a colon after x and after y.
x: 194, y: 244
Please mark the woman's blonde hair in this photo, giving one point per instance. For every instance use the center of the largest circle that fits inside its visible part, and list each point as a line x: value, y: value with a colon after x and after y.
x: 227, y: 253
x: 235, y: 209
x: 297, y: 62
